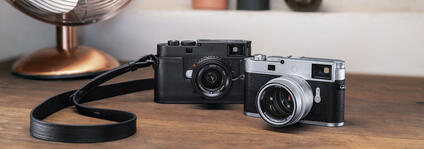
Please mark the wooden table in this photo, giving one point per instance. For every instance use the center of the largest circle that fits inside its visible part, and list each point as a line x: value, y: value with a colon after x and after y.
x: 381, y: 112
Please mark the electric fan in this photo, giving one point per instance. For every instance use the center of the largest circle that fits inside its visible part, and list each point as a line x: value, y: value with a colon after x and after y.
x: 67, y: 59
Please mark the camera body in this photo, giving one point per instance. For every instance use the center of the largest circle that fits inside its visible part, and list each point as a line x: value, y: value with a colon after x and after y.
x: 285, y: 90
x: 202, y: 71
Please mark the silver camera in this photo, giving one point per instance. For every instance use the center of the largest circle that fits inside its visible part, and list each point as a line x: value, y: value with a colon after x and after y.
x: 285, y: 90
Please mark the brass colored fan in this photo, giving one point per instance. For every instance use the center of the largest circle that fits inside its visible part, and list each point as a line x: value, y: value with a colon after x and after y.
x: 67, y: 59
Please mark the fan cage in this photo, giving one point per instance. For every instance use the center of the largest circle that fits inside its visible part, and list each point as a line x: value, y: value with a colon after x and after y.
x: 70, y: 12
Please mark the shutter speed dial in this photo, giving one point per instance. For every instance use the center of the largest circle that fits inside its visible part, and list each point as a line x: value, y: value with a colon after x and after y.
x: 173, y: 43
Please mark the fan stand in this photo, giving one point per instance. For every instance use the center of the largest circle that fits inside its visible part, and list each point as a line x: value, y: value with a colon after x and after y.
x: 66, y: 61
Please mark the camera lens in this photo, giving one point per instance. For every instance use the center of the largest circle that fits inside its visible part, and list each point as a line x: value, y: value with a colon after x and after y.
x: 277, y: 102
x: 211, y: 77
x: 284, y: 101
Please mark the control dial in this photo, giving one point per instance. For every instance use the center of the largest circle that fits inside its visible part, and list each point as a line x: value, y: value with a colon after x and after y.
x: 173, y: 43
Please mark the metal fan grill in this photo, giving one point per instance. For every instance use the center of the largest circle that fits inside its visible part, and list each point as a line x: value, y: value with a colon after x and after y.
x: 67, y: 59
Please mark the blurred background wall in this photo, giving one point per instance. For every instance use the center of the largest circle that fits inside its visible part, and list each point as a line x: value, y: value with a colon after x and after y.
x: 373, y: 36
x: 20, y: 34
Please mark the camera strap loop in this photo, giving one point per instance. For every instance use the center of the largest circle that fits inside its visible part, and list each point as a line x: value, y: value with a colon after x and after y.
x: 125, y: 125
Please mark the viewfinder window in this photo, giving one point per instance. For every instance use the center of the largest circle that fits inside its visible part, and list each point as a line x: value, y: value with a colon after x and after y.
x: 321, y: 71
x: 235, y: 50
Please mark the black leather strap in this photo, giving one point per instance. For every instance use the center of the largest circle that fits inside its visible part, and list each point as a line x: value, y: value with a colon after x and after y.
x: 125, y: 125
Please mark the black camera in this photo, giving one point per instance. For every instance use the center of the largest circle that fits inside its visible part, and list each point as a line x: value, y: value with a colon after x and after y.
x: 206, y: 71
x: 285, y: 90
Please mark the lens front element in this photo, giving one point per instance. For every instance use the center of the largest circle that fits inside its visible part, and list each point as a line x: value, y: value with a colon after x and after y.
x: 277, y: 102
x: 211, y: 79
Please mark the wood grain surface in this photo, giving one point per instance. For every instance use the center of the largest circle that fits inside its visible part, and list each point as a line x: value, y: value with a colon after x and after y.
x: 381, y: 112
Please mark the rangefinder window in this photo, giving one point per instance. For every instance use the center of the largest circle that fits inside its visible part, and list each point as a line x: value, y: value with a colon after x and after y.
x: 321, y: 71
x: 271, y: 67
x: 235, y: 50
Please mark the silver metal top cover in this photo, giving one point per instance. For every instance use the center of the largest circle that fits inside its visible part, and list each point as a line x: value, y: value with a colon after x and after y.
x: 295, y: 66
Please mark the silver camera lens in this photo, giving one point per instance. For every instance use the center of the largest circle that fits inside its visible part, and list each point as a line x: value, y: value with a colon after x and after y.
x: 284, y: 101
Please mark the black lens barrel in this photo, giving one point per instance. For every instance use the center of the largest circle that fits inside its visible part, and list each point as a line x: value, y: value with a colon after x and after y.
x: 211, y: 77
